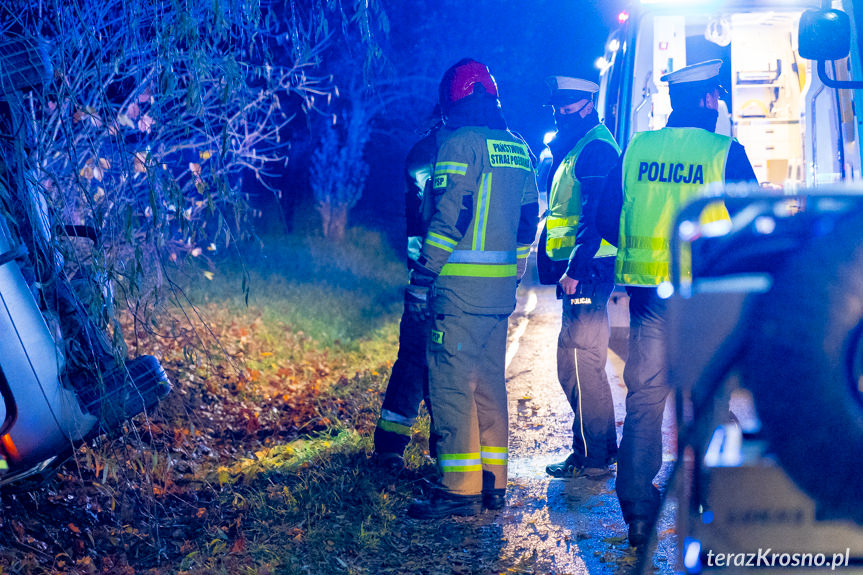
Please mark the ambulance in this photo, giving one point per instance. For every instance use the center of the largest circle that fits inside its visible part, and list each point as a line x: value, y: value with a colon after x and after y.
x: 796, y: 130
x: 765, y: 344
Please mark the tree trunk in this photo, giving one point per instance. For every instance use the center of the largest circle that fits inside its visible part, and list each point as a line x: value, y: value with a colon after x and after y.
x: 325, y: 209
x: 338, y: 223
x: 334, y: 220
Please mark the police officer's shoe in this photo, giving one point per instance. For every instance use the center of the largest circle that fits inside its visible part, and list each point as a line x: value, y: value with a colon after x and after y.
x: 563, y: 469
x: 494, y: 499
x: 443, y: 504
x: 639, y: 532
x: 593, y: 473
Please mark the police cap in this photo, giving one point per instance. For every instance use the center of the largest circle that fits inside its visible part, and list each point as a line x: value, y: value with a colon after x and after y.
x: 697, y: 78
x: 568, y: 90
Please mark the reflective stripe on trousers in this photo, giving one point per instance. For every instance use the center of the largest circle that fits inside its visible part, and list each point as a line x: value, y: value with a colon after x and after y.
x: 582, y: 349
x: 467, y: 384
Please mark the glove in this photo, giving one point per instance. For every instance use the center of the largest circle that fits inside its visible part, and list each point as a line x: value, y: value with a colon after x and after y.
x: 520, y: 268
x: 417, y: 296
x: 417, y: 303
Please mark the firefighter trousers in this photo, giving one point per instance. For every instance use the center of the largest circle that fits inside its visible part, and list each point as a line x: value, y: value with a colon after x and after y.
x: 406, y: 388
x: 645, y: 375
x: 582, y: 350
x: 467, y: 384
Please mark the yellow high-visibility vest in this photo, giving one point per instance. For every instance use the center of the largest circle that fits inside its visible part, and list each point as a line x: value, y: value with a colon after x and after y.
x: 564, y: 201
x: 662, y: 171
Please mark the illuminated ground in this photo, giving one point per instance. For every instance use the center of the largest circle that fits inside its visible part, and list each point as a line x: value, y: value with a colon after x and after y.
x: 564, y: 526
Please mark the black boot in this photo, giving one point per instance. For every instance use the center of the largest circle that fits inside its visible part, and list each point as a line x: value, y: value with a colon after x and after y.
x: 639, y: 532
x: 494, y: 499
x: 392, y: 462
x: 443, y: 504
x: 573, y: 467
x: 563, y: 469
x: 594, y: 473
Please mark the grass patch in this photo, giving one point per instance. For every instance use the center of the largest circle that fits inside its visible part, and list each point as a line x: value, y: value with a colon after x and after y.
x: 316, y: 504
x: 335, y: 293
x: 321, y: 323
x: 257, y: 462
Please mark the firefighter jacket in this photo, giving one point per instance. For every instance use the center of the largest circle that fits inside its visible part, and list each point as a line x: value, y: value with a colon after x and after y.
x: 565, y: 200
x: 418, y: 170
x: 485, y: 218
x: 662, y: 171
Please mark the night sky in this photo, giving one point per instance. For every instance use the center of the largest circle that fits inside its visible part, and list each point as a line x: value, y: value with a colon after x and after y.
x: 521, y: 42
x: 539, y: 39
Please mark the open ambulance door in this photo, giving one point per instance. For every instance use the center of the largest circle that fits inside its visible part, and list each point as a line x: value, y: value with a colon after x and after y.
x: 797, y: 132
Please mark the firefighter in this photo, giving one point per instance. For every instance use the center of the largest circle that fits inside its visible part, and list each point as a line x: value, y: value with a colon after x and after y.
x: 583, y: 153
x: 475, y: 251
x: 659, y: 171
x: 408, y: 383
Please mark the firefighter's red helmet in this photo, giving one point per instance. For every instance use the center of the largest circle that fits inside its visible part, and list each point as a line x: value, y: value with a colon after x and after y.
x: 461, y: 80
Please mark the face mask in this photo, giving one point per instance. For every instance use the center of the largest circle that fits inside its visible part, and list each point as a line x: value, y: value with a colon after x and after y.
x: 713, y: 116
x: 574, y: 123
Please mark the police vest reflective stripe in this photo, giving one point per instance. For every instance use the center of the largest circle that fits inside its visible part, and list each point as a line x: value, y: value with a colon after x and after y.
x: 564, y: 201
x: 662, y: 171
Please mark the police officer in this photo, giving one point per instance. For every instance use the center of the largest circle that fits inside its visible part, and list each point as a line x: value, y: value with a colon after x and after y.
x: 474, y: 253
x: 660, y: 171
x: 583, y: 152
x: 408, y: 383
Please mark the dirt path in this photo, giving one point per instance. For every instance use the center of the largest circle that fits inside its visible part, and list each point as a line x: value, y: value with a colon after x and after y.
x: 562, y: 526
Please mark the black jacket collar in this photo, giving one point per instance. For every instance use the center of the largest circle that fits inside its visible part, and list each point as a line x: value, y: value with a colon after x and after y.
x: 703, y: 118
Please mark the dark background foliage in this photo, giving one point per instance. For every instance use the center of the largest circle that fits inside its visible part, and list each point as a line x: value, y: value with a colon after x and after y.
x: 521, y: 42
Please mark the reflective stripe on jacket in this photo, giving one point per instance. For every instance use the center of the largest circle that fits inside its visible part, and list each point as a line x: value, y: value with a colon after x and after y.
x: 418, y: 172
x: 482, y: 178
x: 564, y: 201
x: 662, y: 171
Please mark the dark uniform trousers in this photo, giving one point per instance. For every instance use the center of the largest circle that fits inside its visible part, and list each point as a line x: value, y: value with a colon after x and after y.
x: 582, y: 350
x: 645, y: 375
x: 408, y: 385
